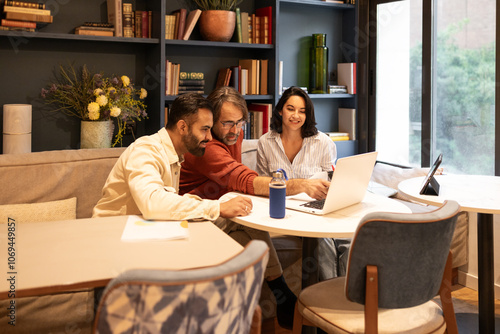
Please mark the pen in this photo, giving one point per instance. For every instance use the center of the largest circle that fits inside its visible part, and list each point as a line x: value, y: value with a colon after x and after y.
x: 333, y: 168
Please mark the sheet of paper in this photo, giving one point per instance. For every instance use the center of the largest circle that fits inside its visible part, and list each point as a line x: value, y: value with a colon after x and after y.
x: 300, y: 197
x: 138, y: 229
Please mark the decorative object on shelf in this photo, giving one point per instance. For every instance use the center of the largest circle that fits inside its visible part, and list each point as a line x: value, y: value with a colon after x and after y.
x: 95, y: 98
x: 218, y: 19
x: 318, y: 74
x: 96, y: 134
x: 217, y: 25
x: 16, y: 128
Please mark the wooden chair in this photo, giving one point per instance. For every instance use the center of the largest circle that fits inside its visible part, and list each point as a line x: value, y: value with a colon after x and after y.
x: 218, y: 299
x: 397, y: 265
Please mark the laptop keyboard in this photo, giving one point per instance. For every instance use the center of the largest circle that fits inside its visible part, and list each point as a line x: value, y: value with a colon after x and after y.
x: 315, y: 204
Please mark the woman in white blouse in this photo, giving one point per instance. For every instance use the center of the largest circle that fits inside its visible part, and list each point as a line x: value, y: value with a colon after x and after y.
x: 295, y: 145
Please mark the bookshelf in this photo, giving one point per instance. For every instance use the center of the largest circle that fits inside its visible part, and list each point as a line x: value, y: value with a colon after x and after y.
x: 30, y: 59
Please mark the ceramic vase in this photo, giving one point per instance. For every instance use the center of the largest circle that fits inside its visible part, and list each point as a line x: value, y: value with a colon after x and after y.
x: 96, y: 134
x: 217, y: 25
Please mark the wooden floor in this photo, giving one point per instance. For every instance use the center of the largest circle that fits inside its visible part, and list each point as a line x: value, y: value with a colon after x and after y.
x: 464, y: 294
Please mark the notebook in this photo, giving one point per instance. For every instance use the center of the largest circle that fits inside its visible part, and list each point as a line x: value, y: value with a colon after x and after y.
x: 348, y: 186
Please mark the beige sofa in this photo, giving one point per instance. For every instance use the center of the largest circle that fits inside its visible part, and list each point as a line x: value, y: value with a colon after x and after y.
x: 41, y: 187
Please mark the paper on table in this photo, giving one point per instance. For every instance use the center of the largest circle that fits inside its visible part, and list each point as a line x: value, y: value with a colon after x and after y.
x: 137, y: 229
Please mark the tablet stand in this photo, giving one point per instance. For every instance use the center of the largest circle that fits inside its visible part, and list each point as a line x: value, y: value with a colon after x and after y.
x: 432, y: 188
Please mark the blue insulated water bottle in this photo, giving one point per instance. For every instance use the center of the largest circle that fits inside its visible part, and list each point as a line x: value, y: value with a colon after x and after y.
x: 277, y: 194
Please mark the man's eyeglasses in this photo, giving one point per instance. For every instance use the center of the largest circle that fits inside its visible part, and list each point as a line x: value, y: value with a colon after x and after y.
x: 230, y: 124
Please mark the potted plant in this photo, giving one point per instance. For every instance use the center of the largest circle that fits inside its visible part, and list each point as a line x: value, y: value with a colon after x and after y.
x: 218, y: 19
x: 98, y: 101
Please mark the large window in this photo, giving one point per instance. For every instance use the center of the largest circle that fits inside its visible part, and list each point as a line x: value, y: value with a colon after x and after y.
x: 458, y: 119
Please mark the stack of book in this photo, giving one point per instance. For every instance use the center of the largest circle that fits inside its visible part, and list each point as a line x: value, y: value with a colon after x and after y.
x: 127, y: 22
x: 338, y: 136
x: 255, y: 28
x: 24, y: 16
x: 190, y: 85
x: 179, y: 24
x: 95, y: 29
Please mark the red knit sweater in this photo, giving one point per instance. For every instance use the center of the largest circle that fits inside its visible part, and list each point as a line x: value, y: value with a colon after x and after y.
x: 217, y: 172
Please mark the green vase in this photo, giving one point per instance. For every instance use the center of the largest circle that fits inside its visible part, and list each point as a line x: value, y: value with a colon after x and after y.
x: 318, y: 72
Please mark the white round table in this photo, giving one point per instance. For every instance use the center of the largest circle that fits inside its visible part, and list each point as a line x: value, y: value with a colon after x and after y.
x: 474, y: 193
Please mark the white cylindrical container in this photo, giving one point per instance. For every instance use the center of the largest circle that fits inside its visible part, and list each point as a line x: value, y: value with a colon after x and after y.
x: 16, y: 128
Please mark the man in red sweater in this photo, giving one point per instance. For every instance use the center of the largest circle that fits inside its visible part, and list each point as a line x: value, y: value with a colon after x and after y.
x: 220, y: 171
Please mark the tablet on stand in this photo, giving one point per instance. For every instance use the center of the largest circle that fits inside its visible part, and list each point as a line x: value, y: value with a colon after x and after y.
x: 430, y: 186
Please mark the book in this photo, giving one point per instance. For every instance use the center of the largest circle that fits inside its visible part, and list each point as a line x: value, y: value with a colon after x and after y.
x: 175, y: 78
x: 223, y: 77
x: 165, y: 115
x: 346, y: 74
x: 191, y: 87
x: 114, y: 8
x: 334, y: 1
x: 93, y: 32
x: 138, y: 23
x: 235, y: 80
x: 244, y: 81
x: 191, y: 82
x: 244, y: 27
x: 25, y: 4
x: 338, y: 136
x: 20, y: 24
x: 347, y: 121
x: 264, y: 64
x: 238, y: 25
x: 266, y: 109
x: 191, y: 20
x: 145, y: 32
x: 29, y: 17
x: 168, y: 77
x: 128, y: 24
x: 180, y: 14
x: 84, y: 27
x: 267, y: 12
x: 252, y: 65
x: 26, y: 10
x: 191, y: 75
x: 169, y: 26
x: 2, y: 28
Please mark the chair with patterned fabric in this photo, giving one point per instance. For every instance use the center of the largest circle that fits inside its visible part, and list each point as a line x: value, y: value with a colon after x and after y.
x: 397, y: 264
x: 218, y: 299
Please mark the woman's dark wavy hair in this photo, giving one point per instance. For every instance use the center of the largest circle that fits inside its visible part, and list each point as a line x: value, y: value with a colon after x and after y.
x: 309, y: 128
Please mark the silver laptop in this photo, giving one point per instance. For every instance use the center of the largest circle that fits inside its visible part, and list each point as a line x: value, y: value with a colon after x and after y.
x: 348, y: 186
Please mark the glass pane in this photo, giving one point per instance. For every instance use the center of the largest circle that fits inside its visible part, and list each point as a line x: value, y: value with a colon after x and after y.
x: 464, y: 95
x: 399, y: 81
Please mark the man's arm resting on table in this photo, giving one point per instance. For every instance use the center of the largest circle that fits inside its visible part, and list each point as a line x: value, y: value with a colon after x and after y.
x: 315, y: 188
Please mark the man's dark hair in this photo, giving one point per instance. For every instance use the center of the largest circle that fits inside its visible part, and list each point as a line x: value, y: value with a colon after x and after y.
x: 227, y: 94
x: 185, y: 107
x: 309, y: 128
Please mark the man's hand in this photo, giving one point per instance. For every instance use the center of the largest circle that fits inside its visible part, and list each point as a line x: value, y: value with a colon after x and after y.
x: 315, y: 188
x: 238, y: 206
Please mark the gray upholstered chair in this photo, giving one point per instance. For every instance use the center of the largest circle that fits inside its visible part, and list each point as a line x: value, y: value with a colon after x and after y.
x: 217, y: 299
x: 397, y: 264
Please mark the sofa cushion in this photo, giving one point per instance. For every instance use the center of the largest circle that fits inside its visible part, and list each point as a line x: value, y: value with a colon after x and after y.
x: 39, y: 212
x: 55, y: 175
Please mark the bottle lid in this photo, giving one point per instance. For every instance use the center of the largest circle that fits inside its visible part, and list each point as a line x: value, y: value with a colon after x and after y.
x: 278, y: 174
x: 319, y: 40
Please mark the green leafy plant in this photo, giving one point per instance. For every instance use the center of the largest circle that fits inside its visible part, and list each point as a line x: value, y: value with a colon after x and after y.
x: 217, y: 4
x: 94, y: 97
